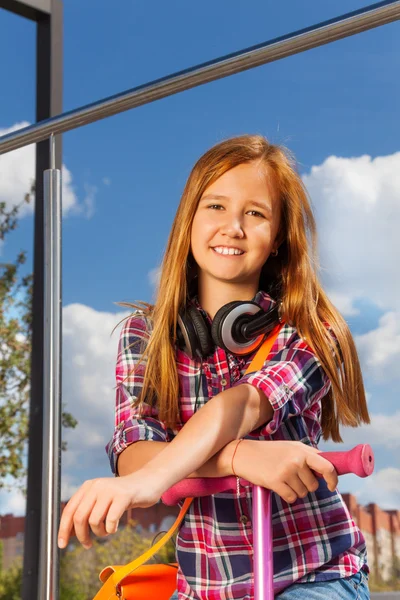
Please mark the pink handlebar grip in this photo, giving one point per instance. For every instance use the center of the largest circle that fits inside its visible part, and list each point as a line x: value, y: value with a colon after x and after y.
x: 197, y: 487
x: 359, y: 460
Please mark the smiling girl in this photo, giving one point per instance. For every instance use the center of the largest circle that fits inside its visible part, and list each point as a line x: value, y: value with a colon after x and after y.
x: 243, y: 233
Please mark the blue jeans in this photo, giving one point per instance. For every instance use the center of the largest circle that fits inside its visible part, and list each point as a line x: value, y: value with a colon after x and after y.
x: 349, y: 588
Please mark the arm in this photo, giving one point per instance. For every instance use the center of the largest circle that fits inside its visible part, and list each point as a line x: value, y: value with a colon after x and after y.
x: 138, y: 438
x: 237, y: 412
x: 228, y: 416
x: 294, y: 382
x: 284, y: 387
x: 287, y: 385
x: 133, y: 429
x: 139, y: 454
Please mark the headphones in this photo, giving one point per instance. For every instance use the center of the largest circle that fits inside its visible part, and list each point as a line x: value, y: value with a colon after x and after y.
x: 238, y: 328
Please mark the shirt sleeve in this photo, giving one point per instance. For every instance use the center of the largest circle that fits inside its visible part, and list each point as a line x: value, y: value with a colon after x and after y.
x: 292, y: 380
x: 130, y: 425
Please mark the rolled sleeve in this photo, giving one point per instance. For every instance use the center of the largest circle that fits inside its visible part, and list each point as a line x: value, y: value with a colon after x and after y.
x: 131, y: 423
x: 293, y: 380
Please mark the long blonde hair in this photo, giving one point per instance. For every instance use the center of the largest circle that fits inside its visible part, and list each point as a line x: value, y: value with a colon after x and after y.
x: 290, y: 277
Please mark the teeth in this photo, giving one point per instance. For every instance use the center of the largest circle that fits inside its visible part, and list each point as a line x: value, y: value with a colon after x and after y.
x: 224, y: 250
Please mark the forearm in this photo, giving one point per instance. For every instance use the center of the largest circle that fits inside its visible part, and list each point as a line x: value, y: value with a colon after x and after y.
x: 226, y: 417
x: 137, y: 455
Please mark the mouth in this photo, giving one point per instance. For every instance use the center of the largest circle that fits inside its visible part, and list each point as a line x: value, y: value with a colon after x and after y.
x: 225, y: 251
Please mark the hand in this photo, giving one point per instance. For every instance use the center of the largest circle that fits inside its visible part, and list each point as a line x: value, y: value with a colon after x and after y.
x: 283, y: 466
x: 100, y: 503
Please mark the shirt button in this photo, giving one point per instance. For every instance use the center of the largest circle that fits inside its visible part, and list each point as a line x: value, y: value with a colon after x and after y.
x: 223, y: 381
x: 243, y: 519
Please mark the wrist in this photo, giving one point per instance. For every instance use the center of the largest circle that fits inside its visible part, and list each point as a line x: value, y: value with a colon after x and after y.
x: 225, y: 459
x: 156, y: 477
x: 240, y: 457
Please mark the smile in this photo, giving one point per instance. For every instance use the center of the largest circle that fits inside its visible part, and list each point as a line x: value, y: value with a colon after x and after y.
x: 227, y: 251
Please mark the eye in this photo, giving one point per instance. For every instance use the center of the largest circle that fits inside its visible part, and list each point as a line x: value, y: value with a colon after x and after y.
x: 256, y: 213
x: 215, y: 206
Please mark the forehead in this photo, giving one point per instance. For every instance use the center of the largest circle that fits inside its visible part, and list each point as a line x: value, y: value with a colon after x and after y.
x: 246, y: 181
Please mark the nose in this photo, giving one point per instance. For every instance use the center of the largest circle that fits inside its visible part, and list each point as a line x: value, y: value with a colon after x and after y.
x: 232, y: 226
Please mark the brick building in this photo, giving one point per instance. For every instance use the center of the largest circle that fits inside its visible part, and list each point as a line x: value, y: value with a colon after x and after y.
x: 381, y: 529
x: 12, y: 538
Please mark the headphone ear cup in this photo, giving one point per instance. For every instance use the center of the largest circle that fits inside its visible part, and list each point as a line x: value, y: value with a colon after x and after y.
x: 223, y: 326
x: 218, y: 322
x: 186, y: 336
x: 205, y: 343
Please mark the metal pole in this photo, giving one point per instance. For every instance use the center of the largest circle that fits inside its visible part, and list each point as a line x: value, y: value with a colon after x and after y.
x: 299, y: 41
x: 49, y: 37
x: 262, y: 544
x: 48, y: 564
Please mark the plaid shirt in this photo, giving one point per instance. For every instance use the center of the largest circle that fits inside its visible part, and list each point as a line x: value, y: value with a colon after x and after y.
x: 315, y: 538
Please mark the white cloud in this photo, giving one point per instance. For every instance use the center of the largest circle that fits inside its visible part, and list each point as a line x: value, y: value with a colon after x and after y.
x: 343, y: 303
x: 89, y: 355
x: 68, y: 486
x: 154, y: 276
x: 17, y: 173
x: 356, y: 202
x: 379, y: 349
x: 382, y: 487
x: 13, y: 502
x: 383, y: 431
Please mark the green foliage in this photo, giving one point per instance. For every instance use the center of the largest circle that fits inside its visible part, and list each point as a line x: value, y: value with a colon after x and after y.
x: 81, y: 568
x: 15, y: 355
x: 71, y: 591
x: 11, y: 583
x: 11, y: 586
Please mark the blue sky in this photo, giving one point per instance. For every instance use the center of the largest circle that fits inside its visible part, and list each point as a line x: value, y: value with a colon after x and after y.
x: 336, y: 107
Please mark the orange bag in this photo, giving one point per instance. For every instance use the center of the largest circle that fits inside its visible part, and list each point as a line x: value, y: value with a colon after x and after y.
x: 136, y: 581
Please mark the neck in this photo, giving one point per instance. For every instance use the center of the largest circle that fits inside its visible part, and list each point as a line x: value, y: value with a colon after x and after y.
x: 213, y: 295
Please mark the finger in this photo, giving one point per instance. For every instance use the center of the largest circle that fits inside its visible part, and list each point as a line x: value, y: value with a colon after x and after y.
x: 81, y: 520
x: 115, y: 512
x: 98, y: 515
x: 319, y: 464
x: 66, y: 529
x: 296, y: 484
x: 309, y: 479
x: 286, y: 493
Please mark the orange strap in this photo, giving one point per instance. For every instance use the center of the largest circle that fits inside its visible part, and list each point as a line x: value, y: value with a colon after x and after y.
x: 113, y: 576
x: 264, y: 350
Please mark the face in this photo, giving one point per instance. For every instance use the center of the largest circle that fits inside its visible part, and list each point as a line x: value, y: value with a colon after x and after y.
x: 236, y: 225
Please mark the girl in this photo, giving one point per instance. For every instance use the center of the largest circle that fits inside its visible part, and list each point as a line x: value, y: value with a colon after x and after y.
x: 244, y: 231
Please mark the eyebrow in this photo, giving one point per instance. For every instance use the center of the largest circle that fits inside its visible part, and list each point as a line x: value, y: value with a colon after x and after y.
x: 221, y: 197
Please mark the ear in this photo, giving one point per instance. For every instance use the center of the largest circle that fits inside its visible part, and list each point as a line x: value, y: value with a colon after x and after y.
x: 279, y: 239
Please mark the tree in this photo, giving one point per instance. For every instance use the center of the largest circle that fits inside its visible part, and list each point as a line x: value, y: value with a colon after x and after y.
x: 11, y: 586
x: 15, y: 351
x: 10, y: 583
